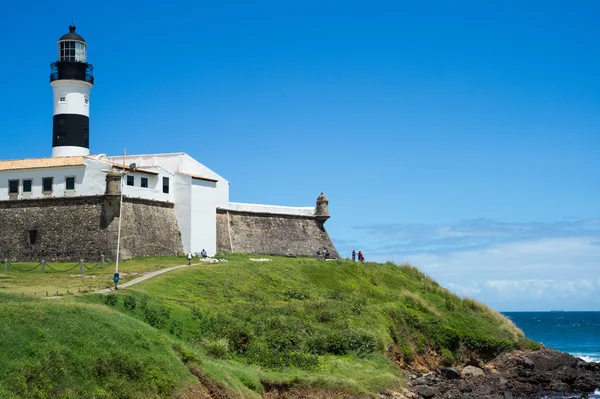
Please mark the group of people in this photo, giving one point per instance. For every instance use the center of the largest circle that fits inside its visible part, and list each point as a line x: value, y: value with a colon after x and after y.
x: 361, y: 258
x: 323, y: 253
x: 190, y: 256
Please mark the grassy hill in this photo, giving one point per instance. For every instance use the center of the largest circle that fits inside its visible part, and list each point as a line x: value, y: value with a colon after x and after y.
x: 242, y: 328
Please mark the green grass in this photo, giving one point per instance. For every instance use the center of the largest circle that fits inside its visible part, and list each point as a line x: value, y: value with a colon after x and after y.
x: 64, y: 276
x: 246, y: 325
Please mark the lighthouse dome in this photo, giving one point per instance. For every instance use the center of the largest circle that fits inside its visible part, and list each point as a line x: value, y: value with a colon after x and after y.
x: 72, y: 35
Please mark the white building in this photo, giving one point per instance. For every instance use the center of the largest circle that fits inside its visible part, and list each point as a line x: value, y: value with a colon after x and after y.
x: 195, y: 190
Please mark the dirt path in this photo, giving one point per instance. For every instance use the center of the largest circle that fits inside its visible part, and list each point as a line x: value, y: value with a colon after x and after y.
x: 144, y: 277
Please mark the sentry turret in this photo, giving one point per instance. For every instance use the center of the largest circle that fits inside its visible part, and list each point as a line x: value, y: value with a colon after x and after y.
x: 72, y: 79
x: 322, y: 208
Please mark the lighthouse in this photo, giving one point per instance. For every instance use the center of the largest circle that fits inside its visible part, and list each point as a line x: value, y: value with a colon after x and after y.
x: 72, y: 79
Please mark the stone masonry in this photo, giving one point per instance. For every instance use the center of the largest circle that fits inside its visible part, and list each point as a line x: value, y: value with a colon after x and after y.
x: 271, y: 234
x: 86, y: 227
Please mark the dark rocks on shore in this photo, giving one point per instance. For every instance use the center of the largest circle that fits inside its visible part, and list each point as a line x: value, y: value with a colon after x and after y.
x: 513, y: 375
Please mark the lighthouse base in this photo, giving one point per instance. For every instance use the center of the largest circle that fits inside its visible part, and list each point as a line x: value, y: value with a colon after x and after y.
x: 69, y: 151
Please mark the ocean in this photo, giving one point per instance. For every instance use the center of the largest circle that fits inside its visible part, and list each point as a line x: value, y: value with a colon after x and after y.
x: 577, y: 333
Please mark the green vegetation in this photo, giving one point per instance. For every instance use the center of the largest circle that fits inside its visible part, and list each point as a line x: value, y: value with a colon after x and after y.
x: 64, y: 276
x: 244, y: 326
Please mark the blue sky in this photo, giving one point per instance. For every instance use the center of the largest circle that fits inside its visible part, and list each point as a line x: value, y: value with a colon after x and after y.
x: 460, y: 136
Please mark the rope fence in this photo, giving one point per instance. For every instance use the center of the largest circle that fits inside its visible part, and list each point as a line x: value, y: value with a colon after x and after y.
x: 24, y: 270
x: 43, y: 265
x: 61, y: 271
x: 92, y: 267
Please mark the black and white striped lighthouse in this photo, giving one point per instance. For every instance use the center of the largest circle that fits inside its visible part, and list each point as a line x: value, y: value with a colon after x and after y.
x: 72, y: 80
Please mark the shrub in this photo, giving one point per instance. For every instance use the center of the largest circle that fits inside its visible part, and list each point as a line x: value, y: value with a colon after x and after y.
x: 130, y: 303
x: 336, y: 343
x: 196, y: 313
x: 325, y: 316
x: 111, y: 299
x: 217, y: 348
x: 164, y: 311
x: 153, y: 318
x: 447, y: 357
x: 362, y: 343
x: 336, y: 295
x: 407, y: 353
x: 293, y: 294
x: 144, y: 302
x: 176, y: 328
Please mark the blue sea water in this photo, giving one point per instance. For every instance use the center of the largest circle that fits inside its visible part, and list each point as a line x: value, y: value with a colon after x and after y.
x: 577, y: 333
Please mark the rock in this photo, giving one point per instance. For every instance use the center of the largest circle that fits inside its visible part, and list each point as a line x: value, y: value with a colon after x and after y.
x: 508, y: 395
x: 472, y: 371
x: 450, y: 373
x: 426, y: 391
x: 427, y: 379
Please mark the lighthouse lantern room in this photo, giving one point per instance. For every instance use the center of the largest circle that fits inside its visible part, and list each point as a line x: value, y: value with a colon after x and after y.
x: 72, y: 79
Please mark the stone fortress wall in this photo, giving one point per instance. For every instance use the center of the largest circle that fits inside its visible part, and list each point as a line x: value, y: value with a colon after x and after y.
x: 271, y: 233
x: 86, y: 227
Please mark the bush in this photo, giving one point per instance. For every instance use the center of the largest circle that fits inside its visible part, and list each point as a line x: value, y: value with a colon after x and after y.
x: 144, y: 302
x: 336, y: 343
x: 130, y: 303
x: 293, y: 294
x: 164, y: 311
x: 111, y: 299
x: 217, y: 348
x: 362, y: 343
x: 176, y: 328
x: 447, y: 357
x: 407, y: 353
x: 153, y: 318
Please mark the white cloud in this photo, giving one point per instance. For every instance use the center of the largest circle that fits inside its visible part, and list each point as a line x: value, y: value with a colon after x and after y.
x: 509, y: 266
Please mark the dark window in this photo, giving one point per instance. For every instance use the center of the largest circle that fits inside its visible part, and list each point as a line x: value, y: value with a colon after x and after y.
x: 62, y: 99
x: 33, y: 235
x: 166, y: 185
x: 47, y: 184
x: 144, y: 182
x: 13, y: 186
x: 130, y: 180
x: 27, y: 186
x: 70, y: 183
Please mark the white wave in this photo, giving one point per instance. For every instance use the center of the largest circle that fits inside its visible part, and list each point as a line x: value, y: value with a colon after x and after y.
x: 588, y: 358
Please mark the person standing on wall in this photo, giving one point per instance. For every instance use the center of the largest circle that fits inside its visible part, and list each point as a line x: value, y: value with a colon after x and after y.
x: 353, y: 256
x: 360, y: 256
x: 189, y: 258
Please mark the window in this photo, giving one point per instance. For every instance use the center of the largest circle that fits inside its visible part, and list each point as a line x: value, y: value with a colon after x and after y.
x: 47, y: 183
x: 27, y: 185
x: 166, y: 185
x: 33, y: 235
x: 144, y: 182
x: 70, y: 183
x: 72, y: 51
x: 130, y: 180
x: 13, y: 187
x: 87, y: 101
x: 62, y: 99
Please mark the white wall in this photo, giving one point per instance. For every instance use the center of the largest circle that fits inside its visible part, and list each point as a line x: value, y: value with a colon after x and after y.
x: 179, y: 162
x: 182, y: 197
x: 75, y: 93
x: 205, y: 200
x: 89, y: 180
x: 154, y: 190
x: 280, y: 210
